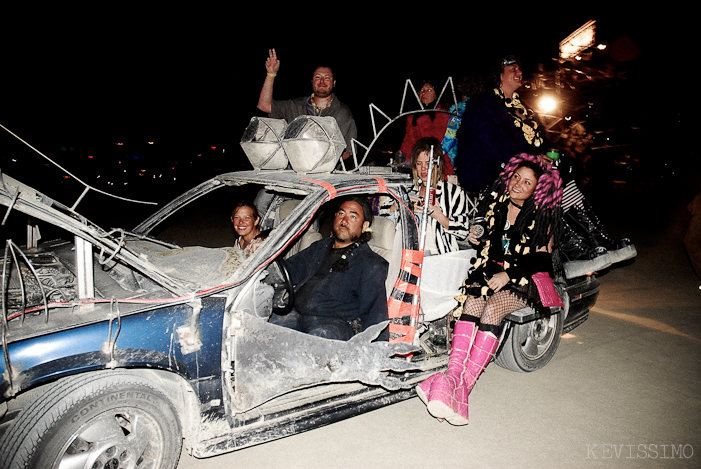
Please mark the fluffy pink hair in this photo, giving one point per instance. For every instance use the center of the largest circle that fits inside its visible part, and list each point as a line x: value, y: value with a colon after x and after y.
x: 543, y: 205
x: 548, y: 193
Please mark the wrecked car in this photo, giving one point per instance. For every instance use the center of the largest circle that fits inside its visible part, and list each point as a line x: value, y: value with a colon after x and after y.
x: 120, y: 347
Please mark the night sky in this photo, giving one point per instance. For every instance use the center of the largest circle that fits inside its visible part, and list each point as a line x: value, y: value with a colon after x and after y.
x: 194, y: 76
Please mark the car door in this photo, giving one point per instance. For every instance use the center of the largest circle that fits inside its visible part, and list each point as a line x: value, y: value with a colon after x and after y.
x: 268, y: 361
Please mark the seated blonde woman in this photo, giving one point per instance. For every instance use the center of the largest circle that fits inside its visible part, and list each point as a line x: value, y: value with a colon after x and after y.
x: 447, y: 216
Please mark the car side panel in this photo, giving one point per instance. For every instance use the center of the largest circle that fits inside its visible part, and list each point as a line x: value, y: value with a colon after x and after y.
x: 148, y: 340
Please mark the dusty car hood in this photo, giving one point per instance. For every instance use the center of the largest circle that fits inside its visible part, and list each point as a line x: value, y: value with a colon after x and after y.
x: 18, y: 196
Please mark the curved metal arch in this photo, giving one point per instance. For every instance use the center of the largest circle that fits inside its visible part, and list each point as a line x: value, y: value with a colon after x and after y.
x: 86, y: 187
x: 408, y: 86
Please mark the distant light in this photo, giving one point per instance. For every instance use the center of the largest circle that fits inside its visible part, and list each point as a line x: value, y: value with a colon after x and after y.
x: 601, y: 46
x: 547, y: 104
x: 213, y: 147
x: 90, y: 157
x: 119, y: 143
x: 580, y: 40
x: 150, y: 143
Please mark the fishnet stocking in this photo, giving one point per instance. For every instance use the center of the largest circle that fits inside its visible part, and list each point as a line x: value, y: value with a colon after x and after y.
x: 494, y: 309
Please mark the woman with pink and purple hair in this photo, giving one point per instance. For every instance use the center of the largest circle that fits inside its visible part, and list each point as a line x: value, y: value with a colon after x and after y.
x: 514, y: 261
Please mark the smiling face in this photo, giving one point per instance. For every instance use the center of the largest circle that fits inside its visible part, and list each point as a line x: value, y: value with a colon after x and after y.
x: 348, y: 224
x: 245, y: 222
x: 511, y: 79
x: 522, y: 184
x: 323, y: 82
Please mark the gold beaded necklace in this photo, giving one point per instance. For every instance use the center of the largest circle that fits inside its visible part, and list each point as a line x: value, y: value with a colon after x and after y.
x: 318, y: 109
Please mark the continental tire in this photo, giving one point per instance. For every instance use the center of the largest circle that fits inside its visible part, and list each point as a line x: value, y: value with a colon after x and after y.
x: 109, y: 419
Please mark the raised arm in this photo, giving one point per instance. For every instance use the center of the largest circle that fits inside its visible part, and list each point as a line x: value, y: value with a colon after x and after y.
x: 272, y: 65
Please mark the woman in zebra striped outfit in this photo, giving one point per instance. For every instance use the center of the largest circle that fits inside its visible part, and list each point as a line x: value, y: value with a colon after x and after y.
x: 447, y: 217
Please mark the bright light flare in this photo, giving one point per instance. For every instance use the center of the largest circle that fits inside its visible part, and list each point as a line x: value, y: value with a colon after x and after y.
x: 547, y: 104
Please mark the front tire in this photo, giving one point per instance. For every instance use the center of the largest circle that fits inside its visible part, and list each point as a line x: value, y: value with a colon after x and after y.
x: 104, y: 419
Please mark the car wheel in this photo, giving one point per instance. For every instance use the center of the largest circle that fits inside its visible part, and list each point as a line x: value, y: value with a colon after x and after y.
x: 530, y: 346
x: 109, y: 419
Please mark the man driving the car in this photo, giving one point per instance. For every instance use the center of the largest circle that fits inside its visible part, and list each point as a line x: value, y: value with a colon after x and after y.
x: 340, y: 281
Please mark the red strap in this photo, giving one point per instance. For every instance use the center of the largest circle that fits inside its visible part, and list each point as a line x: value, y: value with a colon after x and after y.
x: 416, y: 257
x: 382, y: 185
x: 411, y: 268
x: 329, y: 188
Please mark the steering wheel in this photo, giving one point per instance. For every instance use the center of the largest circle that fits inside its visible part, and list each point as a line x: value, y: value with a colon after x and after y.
x: 281, y: 281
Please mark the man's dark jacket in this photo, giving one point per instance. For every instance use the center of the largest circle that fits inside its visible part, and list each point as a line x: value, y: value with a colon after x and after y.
x: 358, y: 292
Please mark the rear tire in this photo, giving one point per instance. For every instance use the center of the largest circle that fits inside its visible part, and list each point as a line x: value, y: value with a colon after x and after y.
x: 530, y: 346
x: 104, y: 419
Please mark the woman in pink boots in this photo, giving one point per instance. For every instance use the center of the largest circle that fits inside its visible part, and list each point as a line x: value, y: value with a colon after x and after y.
x: 522, y: 218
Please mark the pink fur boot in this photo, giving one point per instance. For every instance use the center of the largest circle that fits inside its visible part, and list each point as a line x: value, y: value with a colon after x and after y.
x: 483, y: 349
x: 439, y: 398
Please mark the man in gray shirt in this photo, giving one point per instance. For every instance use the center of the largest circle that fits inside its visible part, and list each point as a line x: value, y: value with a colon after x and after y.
x: 322, y: 101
